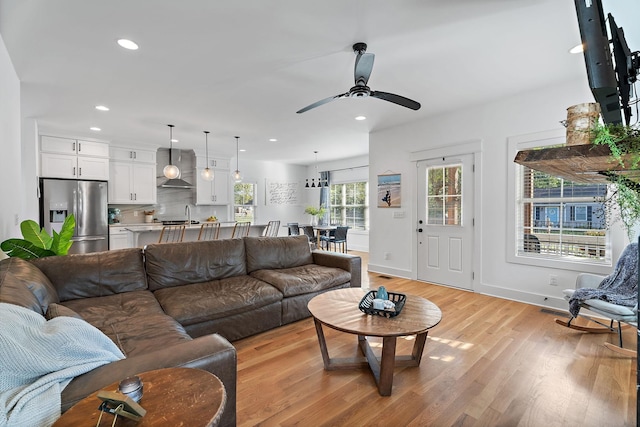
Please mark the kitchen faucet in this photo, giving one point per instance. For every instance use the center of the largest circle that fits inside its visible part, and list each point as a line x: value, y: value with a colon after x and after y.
x: 187, y: 212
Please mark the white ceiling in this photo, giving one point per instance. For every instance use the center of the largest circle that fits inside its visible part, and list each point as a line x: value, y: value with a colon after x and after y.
x: 245, y: 67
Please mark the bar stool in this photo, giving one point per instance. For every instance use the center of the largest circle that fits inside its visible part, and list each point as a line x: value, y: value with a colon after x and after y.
x: 172, y: 234
x: 209, y: 231
x: 241, y: 229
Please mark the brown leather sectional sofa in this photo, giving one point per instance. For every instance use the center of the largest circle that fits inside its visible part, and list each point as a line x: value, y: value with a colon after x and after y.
x: 178, y: 304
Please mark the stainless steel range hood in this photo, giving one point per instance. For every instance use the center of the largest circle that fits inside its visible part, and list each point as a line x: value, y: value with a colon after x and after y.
x: 176, y: 182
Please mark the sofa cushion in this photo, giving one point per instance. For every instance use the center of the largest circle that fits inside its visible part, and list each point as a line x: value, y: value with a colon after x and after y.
x: 95, y: 274
x: 23, y: 284
x: 176, y: 264
x: 57, y: 310
x: 304, y: 279
x: 200, y: 302
x: 277, y: 252
x: 133, y: 320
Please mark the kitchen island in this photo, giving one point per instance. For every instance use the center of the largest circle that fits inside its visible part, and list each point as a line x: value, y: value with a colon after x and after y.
x: 141, y: 234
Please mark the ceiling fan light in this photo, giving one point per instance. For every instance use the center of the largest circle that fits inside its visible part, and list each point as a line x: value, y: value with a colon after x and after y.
x: 171, y: 171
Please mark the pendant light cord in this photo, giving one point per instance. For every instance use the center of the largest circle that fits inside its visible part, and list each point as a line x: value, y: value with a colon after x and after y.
x: 237, y: 154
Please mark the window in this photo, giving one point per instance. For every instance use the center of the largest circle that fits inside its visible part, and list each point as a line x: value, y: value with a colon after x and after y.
x: 349, y: 205
x: 560, y: 219
x: 444, y: 195
x: 244, y: 202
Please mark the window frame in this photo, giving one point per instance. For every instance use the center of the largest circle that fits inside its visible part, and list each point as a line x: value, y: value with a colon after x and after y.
x: 251, y: 205
x: 524, y: 142
x: 345, y: 206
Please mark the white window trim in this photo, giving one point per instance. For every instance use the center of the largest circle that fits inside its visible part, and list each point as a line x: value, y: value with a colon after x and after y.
x: 368, y: 207
x: 524, y: 142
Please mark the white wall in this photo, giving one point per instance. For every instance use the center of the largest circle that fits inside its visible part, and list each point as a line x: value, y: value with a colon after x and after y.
x: 10, y: 160
x: 492, y: 124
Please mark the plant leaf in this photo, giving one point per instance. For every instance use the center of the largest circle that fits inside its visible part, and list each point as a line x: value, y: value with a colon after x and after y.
x: 32, y: 233
x: 24, y: 249
x: 61, y: 242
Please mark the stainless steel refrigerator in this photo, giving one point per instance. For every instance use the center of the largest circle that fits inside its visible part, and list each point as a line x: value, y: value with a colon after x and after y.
x: 87, y: 201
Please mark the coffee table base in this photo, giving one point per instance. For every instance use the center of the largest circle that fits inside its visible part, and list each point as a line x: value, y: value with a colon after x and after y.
x: 382, y: 368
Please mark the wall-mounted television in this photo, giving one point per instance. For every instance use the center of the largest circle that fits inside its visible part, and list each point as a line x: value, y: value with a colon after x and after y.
x: 611, y: 77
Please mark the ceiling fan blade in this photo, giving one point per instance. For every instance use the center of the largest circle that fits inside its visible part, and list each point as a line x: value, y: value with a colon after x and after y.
x: 362, y: 70
x: 322, y: 102
x: 396, y: 99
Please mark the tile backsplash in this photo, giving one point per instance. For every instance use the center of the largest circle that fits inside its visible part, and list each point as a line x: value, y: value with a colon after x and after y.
x: 171, y: 202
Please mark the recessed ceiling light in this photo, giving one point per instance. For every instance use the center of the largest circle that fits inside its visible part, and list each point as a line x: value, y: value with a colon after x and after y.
x: 361, y: 118
x: 273, y: 140
x: 577, y: 49
x: 128, y: 44
x: 174, y: 140
x: 243, y: 150
x: 102, y: 108
x: 95, y: 129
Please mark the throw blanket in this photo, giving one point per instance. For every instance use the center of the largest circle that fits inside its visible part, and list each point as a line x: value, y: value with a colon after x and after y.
x: 38, y: 359
x: 620, y: 287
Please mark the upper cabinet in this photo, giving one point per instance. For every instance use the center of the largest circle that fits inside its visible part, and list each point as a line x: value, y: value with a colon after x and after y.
x: 214, y: 192
x: 73, y: 158
x: 132, y: 155
x: 133, y: 176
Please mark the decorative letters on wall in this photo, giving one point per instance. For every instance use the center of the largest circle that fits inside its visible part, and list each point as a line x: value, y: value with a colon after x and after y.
x: 281, y: 193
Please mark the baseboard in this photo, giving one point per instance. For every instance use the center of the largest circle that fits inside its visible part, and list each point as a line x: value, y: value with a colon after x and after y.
x: 526, y: 297
x: 374, y: 268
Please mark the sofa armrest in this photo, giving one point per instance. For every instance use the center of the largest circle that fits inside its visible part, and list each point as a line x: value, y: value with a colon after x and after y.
x: 588, y: 280
x: 212, y: 353
x: 350, y: 263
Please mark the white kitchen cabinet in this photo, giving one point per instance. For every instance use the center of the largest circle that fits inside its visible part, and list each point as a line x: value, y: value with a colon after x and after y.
x: 72, y: 158
x: 120, y: 238
x: 214, y: 192
x: 133, y: 155
x: 132, y: 183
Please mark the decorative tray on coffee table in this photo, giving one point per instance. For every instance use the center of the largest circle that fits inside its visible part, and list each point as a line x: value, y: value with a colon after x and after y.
x: 366, y: 304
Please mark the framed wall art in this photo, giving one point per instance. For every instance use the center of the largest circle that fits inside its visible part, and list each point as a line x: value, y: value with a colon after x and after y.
x: 389, y: 190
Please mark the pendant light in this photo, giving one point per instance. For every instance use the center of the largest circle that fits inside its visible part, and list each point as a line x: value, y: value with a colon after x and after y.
x: 313, y: 180
x: 171, y: 171
x: 207, y: 174
x: 237, y: 177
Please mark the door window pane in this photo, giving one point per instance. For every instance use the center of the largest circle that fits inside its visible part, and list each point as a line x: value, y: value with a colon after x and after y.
x: 444, y: 195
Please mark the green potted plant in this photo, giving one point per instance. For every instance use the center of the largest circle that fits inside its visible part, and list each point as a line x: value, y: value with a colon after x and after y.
x: 624, y: 201
x: 315, y: 212
x: 37, y: 243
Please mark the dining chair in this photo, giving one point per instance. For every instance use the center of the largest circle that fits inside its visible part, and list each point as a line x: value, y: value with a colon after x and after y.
x: 172, y: 234
x: 338, y: 238
x: 241, y: 229
x: 209, y: 231
x: 294, y: 229
x: 271, y: 230
x: 309, y: 232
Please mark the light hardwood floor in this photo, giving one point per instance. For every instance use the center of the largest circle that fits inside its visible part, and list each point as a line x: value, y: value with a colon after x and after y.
x: 490, y: 362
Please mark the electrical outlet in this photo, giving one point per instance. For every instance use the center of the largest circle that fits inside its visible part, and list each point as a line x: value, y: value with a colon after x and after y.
x: 387, y: 255
x: 553, y: 280
x: 16, y: 220
x: 135, y: 213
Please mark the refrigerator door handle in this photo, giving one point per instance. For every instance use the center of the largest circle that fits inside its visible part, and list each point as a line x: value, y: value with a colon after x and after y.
x: 87, y: 239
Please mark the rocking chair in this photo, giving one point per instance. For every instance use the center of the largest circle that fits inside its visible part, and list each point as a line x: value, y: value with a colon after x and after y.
x: 615, y: 313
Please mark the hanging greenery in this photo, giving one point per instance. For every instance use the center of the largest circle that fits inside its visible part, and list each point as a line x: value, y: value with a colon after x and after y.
x: 623, y: 203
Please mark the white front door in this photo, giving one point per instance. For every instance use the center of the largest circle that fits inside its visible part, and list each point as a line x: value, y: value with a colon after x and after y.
x: 445, y: 221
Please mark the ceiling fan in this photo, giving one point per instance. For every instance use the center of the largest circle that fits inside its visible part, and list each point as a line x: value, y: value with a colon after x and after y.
x: 362, y: 71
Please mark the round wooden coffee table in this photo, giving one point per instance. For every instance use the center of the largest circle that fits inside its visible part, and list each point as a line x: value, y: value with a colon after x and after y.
x: 339, y: 310
x: 171, y: 397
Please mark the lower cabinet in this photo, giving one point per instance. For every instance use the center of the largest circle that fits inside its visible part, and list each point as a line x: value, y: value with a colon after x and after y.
x: 119, y: 238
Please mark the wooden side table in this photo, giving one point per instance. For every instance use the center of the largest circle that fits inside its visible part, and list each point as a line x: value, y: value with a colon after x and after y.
x: 172, y: 397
